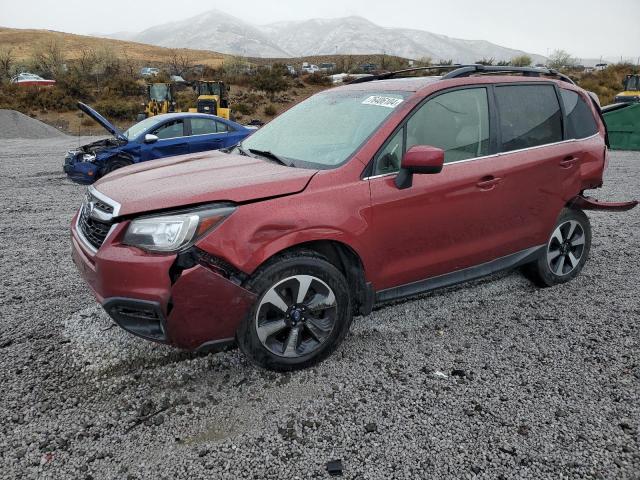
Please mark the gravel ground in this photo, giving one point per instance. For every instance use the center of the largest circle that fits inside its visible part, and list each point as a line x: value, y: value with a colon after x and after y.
x: 495, y: 379
x: 18, y: 125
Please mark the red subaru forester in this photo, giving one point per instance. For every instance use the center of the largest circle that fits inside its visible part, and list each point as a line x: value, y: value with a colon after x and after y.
x: 359, y: 195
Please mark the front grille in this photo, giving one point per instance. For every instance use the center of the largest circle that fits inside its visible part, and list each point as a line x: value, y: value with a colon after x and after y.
x: 94, y: 231
x: 94, y: 221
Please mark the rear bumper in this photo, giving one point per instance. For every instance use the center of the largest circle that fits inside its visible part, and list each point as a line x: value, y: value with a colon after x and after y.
x: 198, y: 309
x: 590, y: 203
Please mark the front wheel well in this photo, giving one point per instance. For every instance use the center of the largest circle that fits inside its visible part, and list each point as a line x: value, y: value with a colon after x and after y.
x: 345, y: 259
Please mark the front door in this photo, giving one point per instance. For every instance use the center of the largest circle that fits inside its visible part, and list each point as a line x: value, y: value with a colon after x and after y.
x: 171, y: 141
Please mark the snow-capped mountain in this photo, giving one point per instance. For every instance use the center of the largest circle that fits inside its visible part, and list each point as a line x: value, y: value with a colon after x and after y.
x: 224, y: 33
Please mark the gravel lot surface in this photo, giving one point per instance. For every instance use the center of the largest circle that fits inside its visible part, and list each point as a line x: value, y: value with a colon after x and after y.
x: 495, y: 379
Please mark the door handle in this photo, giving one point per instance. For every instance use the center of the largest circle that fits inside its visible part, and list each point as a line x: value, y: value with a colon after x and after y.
x: 488, y: 183
x: 568, y: 162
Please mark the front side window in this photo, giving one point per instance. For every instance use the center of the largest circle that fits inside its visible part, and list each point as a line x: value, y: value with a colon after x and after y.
x: 580, y: 122
x: 530, y: 116
x: 326, y: 129
x: 203, y: 126
x: 457, y: 122
x: 170, y: 130
x: 388, y: 160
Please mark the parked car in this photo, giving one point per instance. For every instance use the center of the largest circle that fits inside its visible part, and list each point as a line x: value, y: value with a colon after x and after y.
x: 26, y: 79
x: 292, y: 71
x: 310, y: 68
x: 155, y: 137
x: 149, y: 72
x: 327, y: 67
x: 359, y: 195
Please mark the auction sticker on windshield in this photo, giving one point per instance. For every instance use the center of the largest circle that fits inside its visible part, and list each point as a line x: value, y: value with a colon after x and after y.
x: 389, y: 102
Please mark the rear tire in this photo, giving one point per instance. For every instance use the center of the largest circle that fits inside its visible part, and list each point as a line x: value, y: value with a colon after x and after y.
x: 302, y: 313
x: 566, y: 251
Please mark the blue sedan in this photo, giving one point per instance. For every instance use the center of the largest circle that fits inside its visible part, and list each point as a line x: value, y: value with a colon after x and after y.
x: 155, y: 137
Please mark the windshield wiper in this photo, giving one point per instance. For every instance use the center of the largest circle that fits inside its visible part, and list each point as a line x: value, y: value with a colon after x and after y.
x: 272, y: 156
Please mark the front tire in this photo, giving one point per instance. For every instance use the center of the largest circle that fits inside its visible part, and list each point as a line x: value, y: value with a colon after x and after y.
x: 115, y: 164
x: 302, y: 314
x: 566, y: 251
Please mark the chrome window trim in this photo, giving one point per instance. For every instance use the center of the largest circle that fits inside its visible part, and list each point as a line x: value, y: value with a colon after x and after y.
x: 499, y: 154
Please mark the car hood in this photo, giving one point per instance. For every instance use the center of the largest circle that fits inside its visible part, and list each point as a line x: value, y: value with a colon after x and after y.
x: 199, y: 178
x: 109, y: 127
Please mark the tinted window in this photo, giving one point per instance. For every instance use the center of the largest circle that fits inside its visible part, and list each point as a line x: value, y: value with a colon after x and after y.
x: 203, y: 126
x: 222, y: 127
x: 529, y: 116
x: 457, y: 122
x: 580, y: 122
x: 170, y: 130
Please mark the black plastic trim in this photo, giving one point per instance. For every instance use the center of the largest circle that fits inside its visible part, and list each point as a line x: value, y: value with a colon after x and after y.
x: 144, y: 328
x: 448, y: 279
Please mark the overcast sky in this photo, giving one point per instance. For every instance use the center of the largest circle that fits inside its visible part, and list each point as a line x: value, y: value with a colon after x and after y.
x: 585, y: 28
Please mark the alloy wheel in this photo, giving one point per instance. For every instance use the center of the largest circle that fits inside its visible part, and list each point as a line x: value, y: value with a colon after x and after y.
x: 296, y: 316
x: 566, y: 248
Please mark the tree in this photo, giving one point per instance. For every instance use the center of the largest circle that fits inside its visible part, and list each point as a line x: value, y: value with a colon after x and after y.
x: 7, y: 62
x: 48, y: 58
x: 561, y: 59
x: 486, y: 61
x: 180, y: 62
x: 521, y: 61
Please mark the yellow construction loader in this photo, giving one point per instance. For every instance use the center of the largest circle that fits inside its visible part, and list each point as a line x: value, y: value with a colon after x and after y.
x: 160, y: 99
x: 212, y: 98
x: 631, y: 90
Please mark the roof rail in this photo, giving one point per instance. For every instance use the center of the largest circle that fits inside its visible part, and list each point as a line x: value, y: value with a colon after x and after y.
x: 385, y: 76
x: 468, y: 70
x: 460, y: 71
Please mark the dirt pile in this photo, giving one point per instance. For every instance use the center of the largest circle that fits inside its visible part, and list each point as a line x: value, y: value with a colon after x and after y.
x: 18, y: 125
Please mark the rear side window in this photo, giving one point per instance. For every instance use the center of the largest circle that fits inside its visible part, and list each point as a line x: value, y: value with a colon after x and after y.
x: 222, y: 127
x: 580, y: 122
x: 529, y: 116
x: 457, y: 122
x: 203, y: 126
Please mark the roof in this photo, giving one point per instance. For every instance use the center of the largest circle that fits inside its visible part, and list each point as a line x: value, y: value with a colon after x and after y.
x: 169, y: 116
x: 407, y: 84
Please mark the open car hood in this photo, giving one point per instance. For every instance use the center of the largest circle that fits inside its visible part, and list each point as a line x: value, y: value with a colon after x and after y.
x: 214, y: 176
x: 110, y: 127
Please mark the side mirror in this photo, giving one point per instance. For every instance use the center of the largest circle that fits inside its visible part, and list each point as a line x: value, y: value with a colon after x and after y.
x: 148, y: 138
x: 419, y: 159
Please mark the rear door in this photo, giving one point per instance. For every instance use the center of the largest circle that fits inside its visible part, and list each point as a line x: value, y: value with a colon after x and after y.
x: 205, y: 135
x: 539, y: 166
x: 171, y: 141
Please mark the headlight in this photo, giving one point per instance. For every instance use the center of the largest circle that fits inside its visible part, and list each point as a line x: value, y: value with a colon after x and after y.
x: 88, y: 157
x: 173, y: 232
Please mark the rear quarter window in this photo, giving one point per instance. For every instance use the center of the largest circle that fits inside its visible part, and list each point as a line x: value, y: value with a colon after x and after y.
x: 530, y: 116
x: 580, y: 122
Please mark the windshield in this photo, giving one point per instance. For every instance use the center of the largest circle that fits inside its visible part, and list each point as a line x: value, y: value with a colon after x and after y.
x: 633, y: 83
x: 326, y: 129
x: 159, y: 92
x: 137, y: 129
x: 209, y: 89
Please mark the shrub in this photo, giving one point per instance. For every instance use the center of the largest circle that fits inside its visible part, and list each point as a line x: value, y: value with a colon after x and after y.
x: 318, y: 79
x: 270, y: 110
x: 244, y: 108
x: 116, y: 108
x: 269, y: 81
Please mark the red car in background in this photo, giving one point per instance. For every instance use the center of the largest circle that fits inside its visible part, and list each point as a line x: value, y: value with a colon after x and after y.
x: 362, y: 194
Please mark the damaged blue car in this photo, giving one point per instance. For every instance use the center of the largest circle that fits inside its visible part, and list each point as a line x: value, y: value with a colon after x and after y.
x: 155, y: 137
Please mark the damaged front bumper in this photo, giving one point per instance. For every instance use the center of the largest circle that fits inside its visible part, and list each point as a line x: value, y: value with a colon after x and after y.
x: 193, y: 309
x: 79, y: 170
